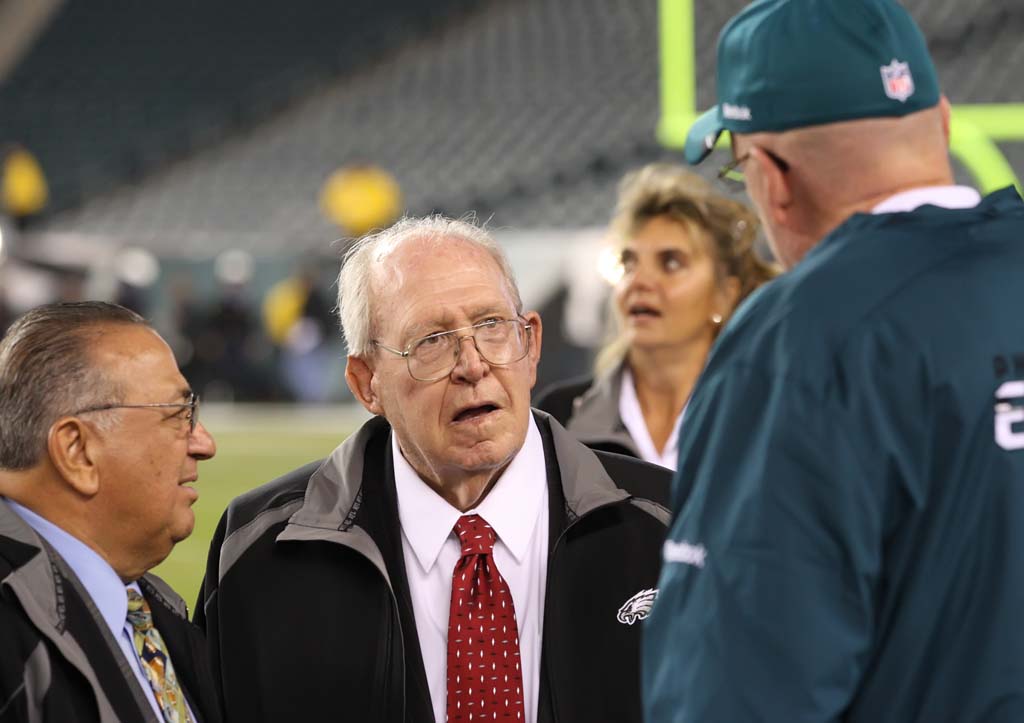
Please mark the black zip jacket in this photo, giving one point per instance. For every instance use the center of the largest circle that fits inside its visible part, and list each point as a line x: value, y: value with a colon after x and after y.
x: 307, y: 607
x: 58, y: 659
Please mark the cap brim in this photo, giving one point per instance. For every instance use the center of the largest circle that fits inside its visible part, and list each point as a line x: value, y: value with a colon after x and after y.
x: 703, y: 135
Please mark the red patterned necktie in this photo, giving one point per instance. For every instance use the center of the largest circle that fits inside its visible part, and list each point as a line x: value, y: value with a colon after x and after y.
x: 485, y: 679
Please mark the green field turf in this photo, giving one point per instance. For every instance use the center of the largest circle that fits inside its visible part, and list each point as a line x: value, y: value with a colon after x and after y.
x: 245, y: 459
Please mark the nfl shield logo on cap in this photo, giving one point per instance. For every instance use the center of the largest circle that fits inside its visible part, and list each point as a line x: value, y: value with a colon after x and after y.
x: 897, y: 80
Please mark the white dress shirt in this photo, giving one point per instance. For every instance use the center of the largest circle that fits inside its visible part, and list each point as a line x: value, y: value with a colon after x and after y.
x: 517, y: 509
x: 109, y: 594
x: 942, y: 196
x: 633, y: 417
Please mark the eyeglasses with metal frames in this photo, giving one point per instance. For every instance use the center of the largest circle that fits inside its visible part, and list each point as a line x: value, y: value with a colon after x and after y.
x: 192, y: 404
x: 499, y: 342
x: 732, y: 177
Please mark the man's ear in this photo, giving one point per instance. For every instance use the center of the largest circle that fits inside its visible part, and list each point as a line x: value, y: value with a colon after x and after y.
x: 359, y: 376
x: 944, y: 113
x: 772, y: 188
x: 73, y: 450
x: 536, y: 338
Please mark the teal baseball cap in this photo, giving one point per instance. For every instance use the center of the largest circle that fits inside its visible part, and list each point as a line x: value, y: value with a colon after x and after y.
x: 785, y: 64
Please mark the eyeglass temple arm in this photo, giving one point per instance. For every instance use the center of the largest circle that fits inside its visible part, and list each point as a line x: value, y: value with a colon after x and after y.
x: 385, y: 347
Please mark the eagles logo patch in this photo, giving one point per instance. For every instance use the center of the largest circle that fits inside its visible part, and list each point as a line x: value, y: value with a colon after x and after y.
x: 637, y: 607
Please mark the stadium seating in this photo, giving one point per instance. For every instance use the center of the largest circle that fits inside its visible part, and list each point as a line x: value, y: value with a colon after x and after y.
x: 527, y: 110
x: 113, y: 90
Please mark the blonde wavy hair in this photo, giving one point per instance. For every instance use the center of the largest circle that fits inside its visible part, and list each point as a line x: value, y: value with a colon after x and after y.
x: 727, y: 227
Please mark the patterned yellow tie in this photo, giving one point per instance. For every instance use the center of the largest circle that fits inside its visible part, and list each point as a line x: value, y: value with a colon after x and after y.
x: 155, y: 661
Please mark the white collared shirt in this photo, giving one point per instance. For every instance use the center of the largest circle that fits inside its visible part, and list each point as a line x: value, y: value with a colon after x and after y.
x: 517, y: 509
x: 109, y: 594
x: 633, y: 417
x: 942, y: 196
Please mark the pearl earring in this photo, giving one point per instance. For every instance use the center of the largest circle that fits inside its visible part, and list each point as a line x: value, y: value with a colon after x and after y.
x: 716, y: 319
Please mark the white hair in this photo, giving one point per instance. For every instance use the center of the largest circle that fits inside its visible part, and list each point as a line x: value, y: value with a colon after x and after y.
x: 354, y: 280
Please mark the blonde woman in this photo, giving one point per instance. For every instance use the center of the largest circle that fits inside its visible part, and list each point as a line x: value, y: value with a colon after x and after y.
x: 685, y: 259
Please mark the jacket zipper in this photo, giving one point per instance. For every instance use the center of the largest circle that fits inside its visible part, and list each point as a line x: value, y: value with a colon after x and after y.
x: 396, y: 622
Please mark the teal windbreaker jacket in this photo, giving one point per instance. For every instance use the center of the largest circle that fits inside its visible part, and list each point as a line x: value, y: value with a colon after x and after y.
x: 848, y: 532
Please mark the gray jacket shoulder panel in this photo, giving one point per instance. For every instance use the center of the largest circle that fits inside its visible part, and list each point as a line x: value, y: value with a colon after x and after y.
x: 251, y: 514
x: 318, y: 502
x: 595, y: 418
x: 660, y: 513
x: 333, y: 489
x: 585, y: 481
x: 38, y: 676
x: 239, y: 540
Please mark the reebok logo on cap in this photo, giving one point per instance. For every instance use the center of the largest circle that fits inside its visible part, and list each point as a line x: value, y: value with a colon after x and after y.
x: 736, y: 112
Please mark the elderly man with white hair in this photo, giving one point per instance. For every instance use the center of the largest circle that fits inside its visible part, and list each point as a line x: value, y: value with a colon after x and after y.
x: 460, y: 557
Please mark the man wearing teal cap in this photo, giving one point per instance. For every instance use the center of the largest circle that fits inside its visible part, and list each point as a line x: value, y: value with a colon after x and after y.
x: 848, y: 532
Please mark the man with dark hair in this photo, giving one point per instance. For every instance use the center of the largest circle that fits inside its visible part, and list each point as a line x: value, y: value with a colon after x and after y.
x: 99, y: 440
x: 848, y: 541
x: 459, y: 557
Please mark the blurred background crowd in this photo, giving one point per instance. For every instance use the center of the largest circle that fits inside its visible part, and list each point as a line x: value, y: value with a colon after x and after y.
x: 205, y: 162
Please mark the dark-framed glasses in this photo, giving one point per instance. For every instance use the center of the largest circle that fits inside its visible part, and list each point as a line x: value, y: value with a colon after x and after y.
x: 499, y: 342
x: 191, y: 404
x: 732, y: 176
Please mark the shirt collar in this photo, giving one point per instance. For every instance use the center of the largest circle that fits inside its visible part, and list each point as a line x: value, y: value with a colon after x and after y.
x: 633, y: 417
x: 97, y: 576
x: 941, y: 196
x: 511, y: 507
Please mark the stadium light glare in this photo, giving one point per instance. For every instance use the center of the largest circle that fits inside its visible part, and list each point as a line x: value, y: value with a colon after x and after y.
x: 609, y: 266
x: 137, y: 267
x: 234, y: 267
